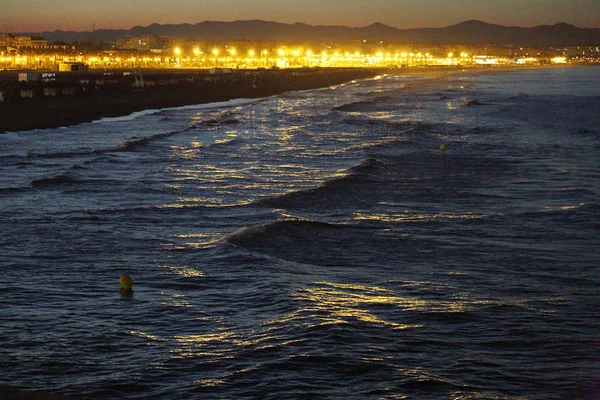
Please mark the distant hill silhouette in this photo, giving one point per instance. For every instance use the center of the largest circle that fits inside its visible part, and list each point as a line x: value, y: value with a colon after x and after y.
x: 468, y: 33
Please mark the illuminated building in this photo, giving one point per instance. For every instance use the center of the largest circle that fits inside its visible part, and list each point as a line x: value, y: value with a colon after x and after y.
x: 17, y: 42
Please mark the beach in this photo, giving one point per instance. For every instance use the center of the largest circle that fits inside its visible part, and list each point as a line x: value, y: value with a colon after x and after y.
x: 75, y: 98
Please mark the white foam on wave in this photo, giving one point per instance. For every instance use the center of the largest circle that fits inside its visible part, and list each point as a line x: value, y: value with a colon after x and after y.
x: 217, y: 104
x: 137, y: 114
x: 129, y: 117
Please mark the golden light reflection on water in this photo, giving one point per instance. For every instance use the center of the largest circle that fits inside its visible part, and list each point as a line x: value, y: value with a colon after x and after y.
x: 182, y: 270
x: 175, y: 300
x: 562, y: 208
x: 201, y: 172
x: 412, y: 217
x: 287, y: 134
x: 345, y: 301
x: 225, y: 344
x: 209, y: 202
x: 253, y: 175
x: 189, y: 152
x: 325, y: 303
x: 210, y: 382
x: 204, y: 240
x: 213, y: 344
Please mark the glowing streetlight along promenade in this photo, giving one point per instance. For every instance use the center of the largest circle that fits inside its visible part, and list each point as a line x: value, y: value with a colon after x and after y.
x: 268, y: 56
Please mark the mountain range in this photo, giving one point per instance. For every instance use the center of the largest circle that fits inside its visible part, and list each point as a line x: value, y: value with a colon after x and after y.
x: 471, y: 32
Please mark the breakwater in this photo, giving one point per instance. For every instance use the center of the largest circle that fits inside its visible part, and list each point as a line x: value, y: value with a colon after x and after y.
x: 72, y: 98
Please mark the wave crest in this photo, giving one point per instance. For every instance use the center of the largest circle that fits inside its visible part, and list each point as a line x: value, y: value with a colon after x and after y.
x: 334, y: 193
x: 281, y: 231
x: 136, y: 142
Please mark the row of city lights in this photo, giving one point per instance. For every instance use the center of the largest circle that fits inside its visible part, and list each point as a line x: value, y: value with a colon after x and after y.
x: 177, y: 51
x: 281, y: 58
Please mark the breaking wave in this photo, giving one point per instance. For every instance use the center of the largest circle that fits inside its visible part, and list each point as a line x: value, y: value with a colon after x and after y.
x: 136, y: 142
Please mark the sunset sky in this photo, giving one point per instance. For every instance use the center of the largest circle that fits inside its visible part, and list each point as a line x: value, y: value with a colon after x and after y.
x: 80, y: 15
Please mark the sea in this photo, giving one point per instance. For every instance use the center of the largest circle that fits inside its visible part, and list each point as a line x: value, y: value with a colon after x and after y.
x: 410, y: 236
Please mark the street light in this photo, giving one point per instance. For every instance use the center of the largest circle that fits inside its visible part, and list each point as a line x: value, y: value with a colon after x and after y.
x: 215, y: 53
x: 177, y: 52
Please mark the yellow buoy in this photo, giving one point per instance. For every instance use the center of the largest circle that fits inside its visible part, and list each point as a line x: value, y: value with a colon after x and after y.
x: 443, y: 147
x: 126, y: 283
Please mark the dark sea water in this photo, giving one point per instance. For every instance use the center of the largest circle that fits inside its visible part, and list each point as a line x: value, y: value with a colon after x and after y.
x: 316, y: 244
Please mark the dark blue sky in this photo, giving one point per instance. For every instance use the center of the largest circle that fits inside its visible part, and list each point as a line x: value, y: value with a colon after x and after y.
x: 39, y: 15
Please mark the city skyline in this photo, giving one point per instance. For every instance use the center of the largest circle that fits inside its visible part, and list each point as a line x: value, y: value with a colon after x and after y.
x: 85, y: 15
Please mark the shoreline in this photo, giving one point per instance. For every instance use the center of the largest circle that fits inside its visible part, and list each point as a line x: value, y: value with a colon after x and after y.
x: 92, y: 97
